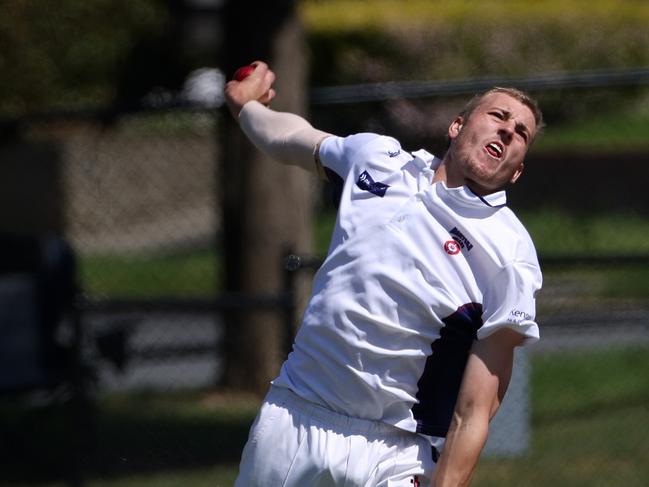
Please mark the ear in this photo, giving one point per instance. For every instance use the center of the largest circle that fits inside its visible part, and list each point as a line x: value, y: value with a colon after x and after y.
x: 455, y: 127
x: 517, y: 174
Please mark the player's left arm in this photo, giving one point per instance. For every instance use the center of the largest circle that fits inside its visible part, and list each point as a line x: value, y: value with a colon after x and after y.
x: 484, y: 383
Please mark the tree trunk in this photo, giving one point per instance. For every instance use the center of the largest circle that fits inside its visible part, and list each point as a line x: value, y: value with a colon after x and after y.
x: 267, y: 206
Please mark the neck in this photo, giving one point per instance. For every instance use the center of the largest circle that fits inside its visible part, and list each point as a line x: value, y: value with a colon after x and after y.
x: 440, y: 174
x: 446, y: 174
x: 451, y: 179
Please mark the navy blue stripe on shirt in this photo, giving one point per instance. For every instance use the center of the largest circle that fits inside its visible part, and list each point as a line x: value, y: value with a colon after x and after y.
x: 484, y: 200
x: 337, y: 184
x: 439, y: 385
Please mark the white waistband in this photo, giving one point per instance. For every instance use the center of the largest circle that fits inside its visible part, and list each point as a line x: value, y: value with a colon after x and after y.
x: 283, y: 396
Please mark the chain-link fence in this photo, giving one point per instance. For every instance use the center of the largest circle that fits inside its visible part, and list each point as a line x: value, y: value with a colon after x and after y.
x: 137, y: 198
x: 139, y: 207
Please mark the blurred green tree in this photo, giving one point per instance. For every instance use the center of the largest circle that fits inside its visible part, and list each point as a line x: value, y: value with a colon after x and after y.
x: 69, y: 54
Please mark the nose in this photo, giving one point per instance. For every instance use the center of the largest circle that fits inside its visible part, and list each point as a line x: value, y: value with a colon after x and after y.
x: 507, y: 131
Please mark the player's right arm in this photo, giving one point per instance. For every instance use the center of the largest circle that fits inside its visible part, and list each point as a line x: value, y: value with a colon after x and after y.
x: 286, y: 137
x: 486, y: 378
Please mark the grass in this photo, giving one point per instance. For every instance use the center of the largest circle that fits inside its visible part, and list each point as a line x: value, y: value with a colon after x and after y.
x: 218, y: 476
x: 580, y: 384
x: 130, y: 440
x: 598, y: 449
x: 183, y: 274
x: 594, y: 235
x: 587, y: 234
x: 589, y: 422
x: 610, y: 132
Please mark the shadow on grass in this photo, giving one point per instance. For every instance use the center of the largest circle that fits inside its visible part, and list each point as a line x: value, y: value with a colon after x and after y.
x: 53, y: 443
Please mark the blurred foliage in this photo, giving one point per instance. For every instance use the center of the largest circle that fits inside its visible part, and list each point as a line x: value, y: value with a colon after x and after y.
x: 68, y: 53
x: 416, y: 39
x: 72, y: 53
x: 358, y: 41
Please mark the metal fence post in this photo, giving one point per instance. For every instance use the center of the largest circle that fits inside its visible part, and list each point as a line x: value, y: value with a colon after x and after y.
x: 290, y: 265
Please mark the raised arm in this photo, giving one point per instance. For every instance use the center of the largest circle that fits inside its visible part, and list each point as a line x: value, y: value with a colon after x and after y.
x: 485, y: 381
x: 286, y: 137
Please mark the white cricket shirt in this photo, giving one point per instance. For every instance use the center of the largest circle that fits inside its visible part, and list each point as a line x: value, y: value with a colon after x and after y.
x: 415, y: 272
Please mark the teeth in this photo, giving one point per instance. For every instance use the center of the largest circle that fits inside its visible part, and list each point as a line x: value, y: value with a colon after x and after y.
x: 496, y: 148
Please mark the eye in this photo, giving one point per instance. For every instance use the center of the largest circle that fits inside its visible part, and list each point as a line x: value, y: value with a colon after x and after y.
x: 523, y: 133
x: 498, y: 115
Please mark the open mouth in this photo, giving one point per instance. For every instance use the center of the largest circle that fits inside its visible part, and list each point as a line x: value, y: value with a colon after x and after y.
x: 495, y: 150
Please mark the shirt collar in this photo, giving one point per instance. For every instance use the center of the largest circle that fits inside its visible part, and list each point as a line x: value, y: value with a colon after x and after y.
x: 426, y: 162
x: 495, y: 200
x: 464, y: 195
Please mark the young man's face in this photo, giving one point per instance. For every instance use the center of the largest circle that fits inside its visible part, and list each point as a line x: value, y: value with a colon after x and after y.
x: 488, y: 148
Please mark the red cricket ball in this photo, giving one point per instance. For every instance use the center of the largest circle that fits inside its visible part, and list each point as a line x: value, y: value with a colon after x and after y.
x: 243, y: 72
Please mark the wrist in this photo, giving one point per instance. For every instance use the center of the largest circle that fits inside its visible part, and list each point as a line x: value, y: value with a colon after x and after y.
x: 246, y: 107
x: 235, y: 109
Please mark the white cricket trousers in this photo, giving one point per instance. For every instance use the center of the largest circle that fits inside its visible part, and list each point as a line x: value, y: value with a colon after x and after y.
x: 294, y: 442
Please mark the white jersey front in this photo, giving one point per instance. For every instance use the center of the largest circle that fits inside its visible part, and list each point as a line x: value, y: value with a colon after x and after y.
x: 415, y: 272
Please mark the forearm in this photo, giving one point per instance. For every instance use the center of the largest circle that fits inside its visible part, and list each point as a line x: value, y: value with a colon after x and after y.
x: 465, y: 440
x: 484, y: 383
x: 286, y: 137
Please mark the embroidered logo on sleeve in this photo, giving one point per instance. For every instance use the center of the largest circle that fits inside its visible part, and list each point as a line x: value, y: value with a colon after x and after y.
x: 366, y: 183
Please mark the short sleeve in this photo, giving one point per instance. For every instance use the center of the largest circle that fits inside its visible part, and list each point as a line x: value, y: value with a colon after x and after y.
x: 337, y: 153
x: 510, y: 301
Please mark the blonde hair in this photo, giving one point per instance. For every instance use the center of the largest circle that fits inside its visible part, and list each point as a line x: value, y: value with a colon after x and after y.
x: 519, y: 95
